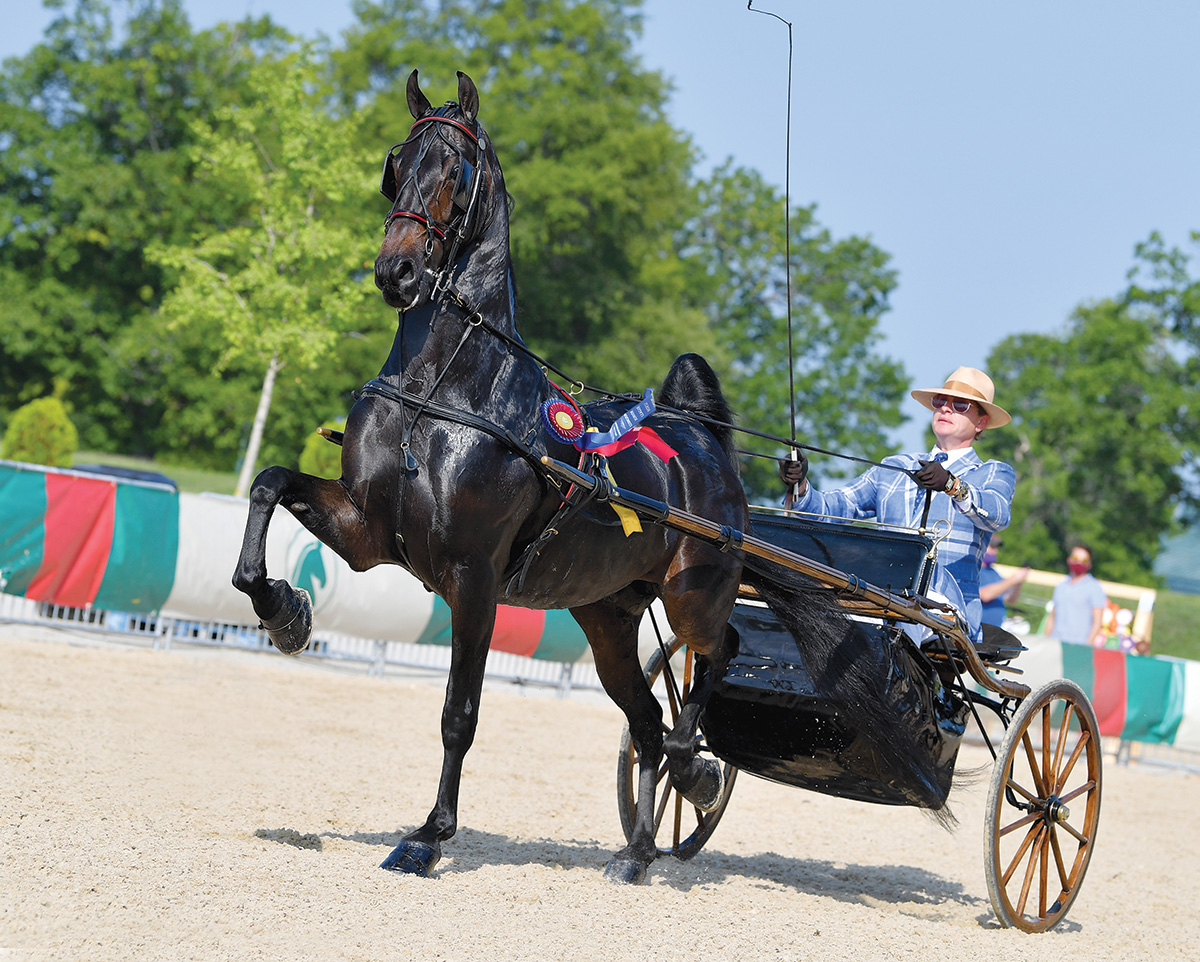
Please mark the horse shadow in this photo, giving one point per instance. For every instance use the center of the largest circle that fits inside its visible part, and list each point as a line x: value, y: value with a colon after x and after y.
x: 899, y: 885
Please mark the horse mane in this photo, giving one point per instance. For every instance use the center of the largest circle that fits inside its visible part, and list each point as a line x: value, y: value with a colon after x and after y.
x: 693, y: 386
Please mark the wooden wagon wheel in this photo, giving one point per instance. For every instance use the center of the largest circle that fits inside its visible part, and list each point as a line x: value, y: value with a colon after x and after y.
x: 1043, y: 807
x: 680, y: 829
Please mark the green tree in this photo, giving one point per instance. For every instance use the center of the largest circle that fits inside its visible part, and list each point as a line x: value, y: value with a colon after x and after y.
x: 598, y: 178
x: 847, y: 395
x: 92, y: 170
x: 278, y: 271
x: 1162, y: 288
x: 41, y: 432
x: 1104, y: 422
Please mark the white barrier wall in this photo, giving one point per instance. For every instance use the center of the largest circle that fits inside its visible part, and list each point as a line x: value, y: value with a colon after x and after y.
x: 386, y: 602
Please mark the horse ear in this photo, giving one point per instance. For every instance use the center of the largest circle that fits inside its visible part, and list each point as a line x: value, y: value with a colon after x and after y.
x: 468, y: 97
x: 418, y: 103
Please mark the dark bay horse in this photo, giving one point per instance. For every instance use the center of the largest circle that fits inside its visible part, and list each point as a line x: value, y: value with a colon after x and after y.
x: 440, y: 475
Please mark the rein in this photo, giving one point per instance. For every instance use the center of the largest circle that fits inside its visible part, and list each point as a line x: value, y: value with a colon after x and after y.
x: 578, y: 386
x: 443, y: 287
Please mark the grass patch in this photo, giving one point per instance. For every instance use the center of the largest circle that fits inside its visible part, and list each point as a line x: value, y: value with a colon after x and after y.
x: 191, y: 480
x: 1176, y: 625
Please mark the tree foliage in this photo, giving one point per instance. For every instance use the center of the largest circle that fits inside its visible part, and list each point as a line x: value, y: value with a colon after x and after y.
x: 141, y: 253
x: 91, y: 173
x: 847, y: 395
x: 1103, y: 417
x: 41, y: 432
x: 274, y: 268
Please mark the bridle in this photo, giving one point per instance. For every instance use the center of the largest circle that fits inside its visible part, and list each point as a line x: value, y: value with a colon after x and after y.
x: 466, y: 190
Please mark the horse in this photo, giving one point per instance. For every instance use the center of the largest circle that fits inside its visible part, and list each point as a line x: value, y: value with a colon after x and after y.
x: 441, y: 474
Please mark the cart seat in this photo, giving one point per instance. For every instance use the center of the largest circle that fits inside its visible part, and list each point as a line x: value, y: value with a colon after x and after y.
x: 897, y: 561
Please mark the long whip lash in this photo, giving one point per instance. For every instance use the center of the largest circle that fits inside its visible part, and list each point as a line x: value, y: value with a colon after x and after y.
x: 787, y: 234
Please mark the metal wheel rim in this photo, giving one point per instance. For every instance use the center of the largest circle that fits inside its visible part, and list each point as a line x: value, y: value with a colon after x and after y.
x: 686, y: 827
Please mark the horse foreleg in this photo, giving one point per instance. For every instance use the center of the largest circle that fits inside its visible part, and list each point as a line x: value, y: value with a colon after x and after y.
x: 322, y: 506
x: 611, y: 630
x: 472, y: 618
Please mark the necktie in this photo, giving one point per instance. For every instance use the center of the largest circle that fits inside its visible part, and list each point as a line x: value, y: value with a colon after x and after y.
x: 940, y: 457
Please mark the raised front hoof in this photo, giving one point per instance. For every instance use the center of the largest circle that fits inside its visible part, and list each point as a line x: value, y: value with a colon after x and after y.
x: 707, y: 787
x: 290, y: 629
x: 412, y: 858
x: 625, y: 871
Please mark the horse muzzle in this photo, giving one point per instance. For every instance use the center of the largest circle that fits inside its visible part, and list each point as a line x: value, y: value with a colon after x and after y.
x: 401, y: 281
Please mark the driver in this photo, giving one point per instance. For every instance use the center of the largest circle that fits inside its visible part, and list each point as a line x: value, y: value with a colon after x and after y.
x: 973, y: 496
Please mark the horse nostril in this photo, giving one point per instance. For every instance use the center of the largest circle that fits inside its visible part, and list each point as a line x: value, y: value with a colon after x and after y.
x: 392, y: 272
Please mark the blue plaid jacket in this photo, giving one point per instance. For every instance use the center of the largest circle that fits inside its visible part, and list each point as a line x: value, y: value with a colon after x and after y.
x: 894, y: 498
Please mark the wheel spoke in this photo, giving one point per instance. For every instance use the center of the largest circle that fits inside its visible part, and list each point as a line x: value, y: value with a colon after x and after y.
x: 1020, y: 822
x: 1012, y: 866
x: 1044, y: 874
x: 1046, y: 770
x: 1020, y: 789
x: 1030, y: 870
x: 1064, y: 732
x: 1075, y: 793
x: 1082, y: 744
x: 1063, y: 880
x: 1078, y: 836
x: 662, y: 807
x: 678, y: 823
x: 1034, y: 770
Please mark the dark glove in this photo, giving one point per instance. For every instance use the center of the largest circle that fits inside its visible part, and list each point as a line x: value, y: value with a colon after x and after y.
x: 933, y: 475
x: 793, y: 472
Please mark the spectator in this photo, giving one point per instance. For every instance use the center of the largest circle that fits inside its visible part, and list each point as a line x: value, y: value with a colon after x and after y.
x: 1079, y: 601
x: 995, y: 591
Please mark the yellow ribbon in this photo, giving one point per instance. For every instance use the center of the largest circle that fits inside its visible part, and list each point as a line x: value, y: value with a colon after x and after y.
x: 629, y: 518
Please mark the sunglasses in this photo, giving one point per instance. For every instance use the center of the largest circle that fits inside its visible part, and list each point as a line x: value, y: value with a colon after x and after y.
x: 958, y: 405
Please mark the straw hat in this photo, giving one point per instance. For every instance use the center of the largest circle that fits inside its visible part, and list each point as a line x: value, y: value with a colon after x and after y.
x: 973, y: 385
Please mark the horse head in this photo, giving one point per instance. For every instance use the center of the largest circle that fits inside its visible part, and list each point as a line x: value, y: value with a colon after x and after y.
x: 437, y: 181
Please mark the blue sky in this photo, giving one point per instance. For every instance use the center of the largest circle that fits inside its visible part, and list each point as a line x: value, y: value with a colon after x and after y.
x: 1008, y: 156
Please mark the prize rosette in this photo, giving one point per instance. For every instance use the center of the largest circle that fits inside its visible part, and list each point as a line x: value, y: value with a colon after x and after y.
x: 562, y: 421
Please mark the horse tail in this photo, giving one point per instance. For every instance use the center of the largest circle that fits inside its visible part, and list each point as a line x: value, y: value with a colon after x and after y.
x: 693, y: 386
x: 855, y: 672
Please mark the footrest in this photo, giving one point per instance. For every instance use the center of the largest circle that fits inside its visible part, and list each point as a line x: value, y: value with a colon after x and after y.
x: 998, y: 646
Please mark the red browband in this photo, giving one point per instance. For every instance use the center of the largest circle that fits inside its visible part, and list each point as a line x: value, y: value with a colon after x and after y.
x: 429, y: 225
x: 445, y: 120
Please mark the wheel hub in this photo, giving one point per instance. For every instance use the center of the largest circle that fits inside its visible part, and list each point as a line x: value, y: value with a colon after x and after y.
x: 1056, y: 812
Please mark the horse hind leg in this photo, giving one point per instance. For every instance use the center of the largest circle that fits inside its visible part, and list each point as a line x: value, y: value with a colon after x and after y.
x: 611, y: 629
x: 700, y: 780
x: 699, y: 598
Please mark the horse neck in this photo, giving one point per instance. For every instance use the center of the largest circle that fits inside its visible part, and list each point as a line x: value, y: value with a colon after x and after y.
x: 485, y: 374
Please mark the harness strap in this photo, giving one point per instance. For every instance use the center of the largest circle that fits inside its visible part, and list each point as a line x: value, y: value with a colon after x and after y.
x: 466, y: 418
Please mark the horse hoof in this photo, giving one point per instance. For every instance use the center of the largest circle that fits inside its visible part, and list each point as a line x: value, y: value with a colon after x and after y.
x: 625, y: 871
x: 412, y: 858
x: 290, y: 629
x: 706, y: 793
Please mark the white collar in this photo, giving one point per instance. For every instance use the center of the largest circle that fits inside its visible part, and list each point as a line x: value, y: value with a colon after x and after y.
x: 951, y: 456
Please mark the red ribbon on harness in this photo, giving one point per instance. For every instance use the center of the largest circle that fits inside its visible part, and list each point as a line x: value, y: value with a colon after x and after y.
x: 640, y: 435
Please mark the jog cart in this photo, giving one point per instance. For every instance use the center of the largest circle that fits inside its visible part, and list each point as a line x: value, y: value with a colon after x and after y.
x: 771, y: 718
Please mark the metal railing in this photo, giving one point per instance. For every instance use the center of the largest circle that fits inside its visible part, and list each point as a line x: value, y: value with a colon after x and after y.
x: 375, y: 654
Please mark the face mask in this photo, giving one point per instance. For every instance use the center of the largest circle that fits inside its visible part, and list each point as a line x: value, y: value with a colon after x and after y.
x: 1079, y: 567
x: 989, y: 556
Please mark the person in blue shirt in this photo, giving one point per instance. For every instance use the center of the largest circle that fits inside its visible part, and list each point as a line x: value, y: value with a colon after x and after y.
x: 972, y: 497
x: 996, y: 591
